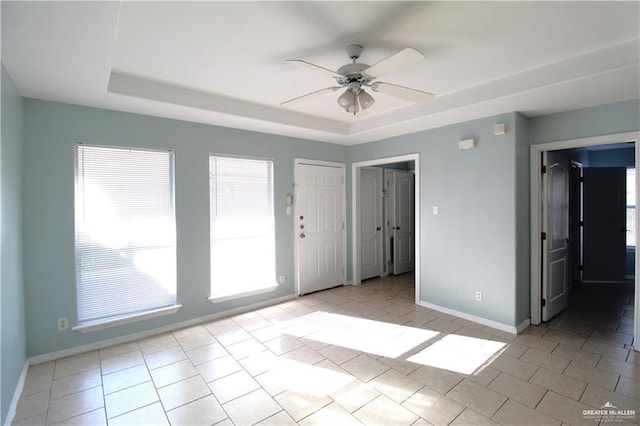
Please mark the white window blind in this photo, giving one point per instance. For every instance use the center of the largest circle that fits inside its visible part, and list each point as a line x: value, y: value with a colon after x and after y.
x: 242, y: 225
x: 125, y: 232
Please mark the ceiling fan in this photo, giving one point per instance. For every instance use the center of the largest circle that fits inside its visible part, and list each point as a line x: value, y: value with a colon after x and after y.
x: 356, y: 76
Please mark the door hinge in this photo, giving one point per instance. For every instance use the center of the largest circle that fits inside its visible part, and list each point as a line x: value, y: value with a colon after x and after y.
x: 581, y: 179
x: 581, y: 223
x: 581, y: 268
x: 343, y: 226
x: 543, y: 236
x: 544, y: 302
x: 543, y: 169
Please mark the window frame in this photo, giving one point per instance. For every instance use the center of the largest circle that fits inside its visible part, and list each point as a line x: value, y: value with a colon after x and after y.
x: 217, y: 298
x: 89, y: 325
x: 630, y: 229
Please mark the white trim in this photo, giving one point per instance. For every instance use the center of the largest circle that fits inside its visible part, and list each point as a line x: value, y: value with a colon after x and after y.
x: 636, y: 322
x: 478, y: 320
x: 153, y: 332
x: 13, y: 407
x: 523, y: 325
x: 87, y: 327
x: 306, y: 162
x: 536, y: 151
x: 355, y: 209
x: 218, y: 299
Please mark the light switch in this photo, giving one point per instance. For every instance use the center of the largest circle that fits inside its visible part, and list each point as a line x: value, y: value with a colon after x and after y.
x: 435, y: 210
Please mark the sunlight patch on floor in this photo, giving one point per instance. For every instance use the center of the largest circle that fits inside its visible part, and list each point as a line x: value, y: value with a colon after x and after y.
x: 461, y: 354
x: 306, y: 379
x: 374, y: 337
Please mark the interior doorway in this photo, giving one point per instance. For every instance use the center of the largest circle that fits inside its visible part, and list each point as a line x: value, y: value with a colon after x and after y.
x: 540, y: 244
x: 357, y: 208
x: 386, y: 220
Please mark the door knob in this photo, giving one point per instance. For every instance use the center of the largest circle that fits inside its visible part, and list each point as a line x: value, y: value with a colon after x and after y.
x: 397, y: 228
x: 302, y: 235
x: 378, y: 228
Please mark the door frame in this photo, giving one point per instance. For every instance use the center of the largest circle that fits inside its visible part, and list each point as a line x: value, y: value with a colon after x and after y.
x: 536, y: 227
x: 297, y: 162
x: 355, y: 212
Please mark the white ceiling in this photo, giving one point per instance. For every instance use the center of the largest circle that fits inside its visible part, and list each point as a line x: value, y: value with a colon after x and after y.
x: 223, y: 63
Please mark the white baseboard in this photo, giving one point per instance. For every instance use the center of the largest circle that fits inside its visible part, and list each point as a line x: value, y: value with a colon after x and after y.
x: 149, y: 333
x: 13, y: 407
x: 479, y: 320
x: 523, y: 325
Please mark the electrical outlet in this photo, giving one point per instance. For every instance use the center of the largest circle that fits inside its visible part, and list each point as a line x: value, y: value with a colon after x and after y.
x: 281, y: 279
x: 479, y: 296
x: 63, y: 323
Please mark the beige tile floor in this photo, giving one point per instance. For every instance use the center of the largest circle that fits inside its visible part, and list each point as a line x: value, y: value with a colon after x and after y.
x: 353, y: 355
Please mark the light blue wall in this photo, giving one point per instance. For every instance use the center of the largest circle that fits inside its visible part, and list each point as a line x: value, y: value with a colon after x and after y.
x: 471, y: 245
x: 479, y: 241
x: 51, y: 131
x: 619, y: 117
x: 625, y: 157
x: 13, y: 341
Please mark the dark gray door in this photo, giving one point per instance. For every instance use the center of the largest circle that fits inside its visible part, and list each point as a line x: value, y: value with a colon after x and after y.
x: 604, y: 215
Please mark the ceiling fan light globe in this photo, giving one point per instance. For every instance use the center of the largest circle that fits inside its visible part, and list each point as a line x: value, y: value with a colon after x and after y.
x: 346, y: 100
x: 365, y: 99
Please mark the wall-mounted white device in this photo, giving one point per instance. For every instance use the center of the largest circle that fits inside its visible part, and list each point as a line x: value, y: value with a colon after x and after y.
x: 500, y: 129
x: 467, y: 144
x: 289, y: 202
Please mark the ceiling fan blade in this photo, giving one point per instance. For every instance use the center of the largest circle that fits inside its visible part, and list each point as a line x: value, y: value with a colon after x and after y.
x: 311, y: 95
x: 403, y: 58
x: 316, y: 67
x: 413, y: 95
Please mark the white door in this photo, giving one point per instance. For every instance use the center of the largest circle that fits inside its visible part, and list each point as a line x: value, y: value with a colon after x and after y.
x: 555, y: 226
x: 371, y: 222
x: 403, y: 256
x: 319, y: 226
x: 605, y: 224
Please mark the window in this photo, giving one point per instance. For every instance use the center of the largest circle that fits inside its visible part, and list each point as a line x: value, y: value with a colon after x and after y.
x: 242, y: 226
x: 631, y: 207
x: 125, y: 233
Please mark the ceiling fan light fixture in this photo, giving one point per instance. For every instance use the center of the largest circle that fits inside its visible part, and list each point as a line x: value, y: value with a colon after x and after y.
x: 355, y: 76
x: 365, y: 99
x: 349, y: 101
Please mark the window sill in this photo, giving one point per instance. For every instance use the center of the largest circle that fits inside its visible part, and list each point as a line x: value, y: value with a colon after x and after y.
x: 126, y: 319
x: 218, y: 299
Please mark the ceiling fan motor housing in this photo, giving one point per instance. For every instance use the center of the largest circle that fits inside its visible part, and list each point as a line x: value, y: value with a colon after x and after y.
x: 352, y: 73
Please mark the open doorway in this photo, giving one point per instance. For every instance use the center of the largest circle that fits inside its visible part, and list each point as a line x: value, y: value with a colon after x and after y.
x: 551, y: 270
x: 410, y: 161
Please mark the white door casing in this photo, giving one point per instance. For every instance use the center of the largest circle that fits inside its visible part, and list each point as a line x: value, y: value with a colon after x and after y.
x: 403, y: 258
x: 355, y: 214
x: 319, y: 225
x: 555, y: 281
x: 371, y: 240
x: 536, y: 225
